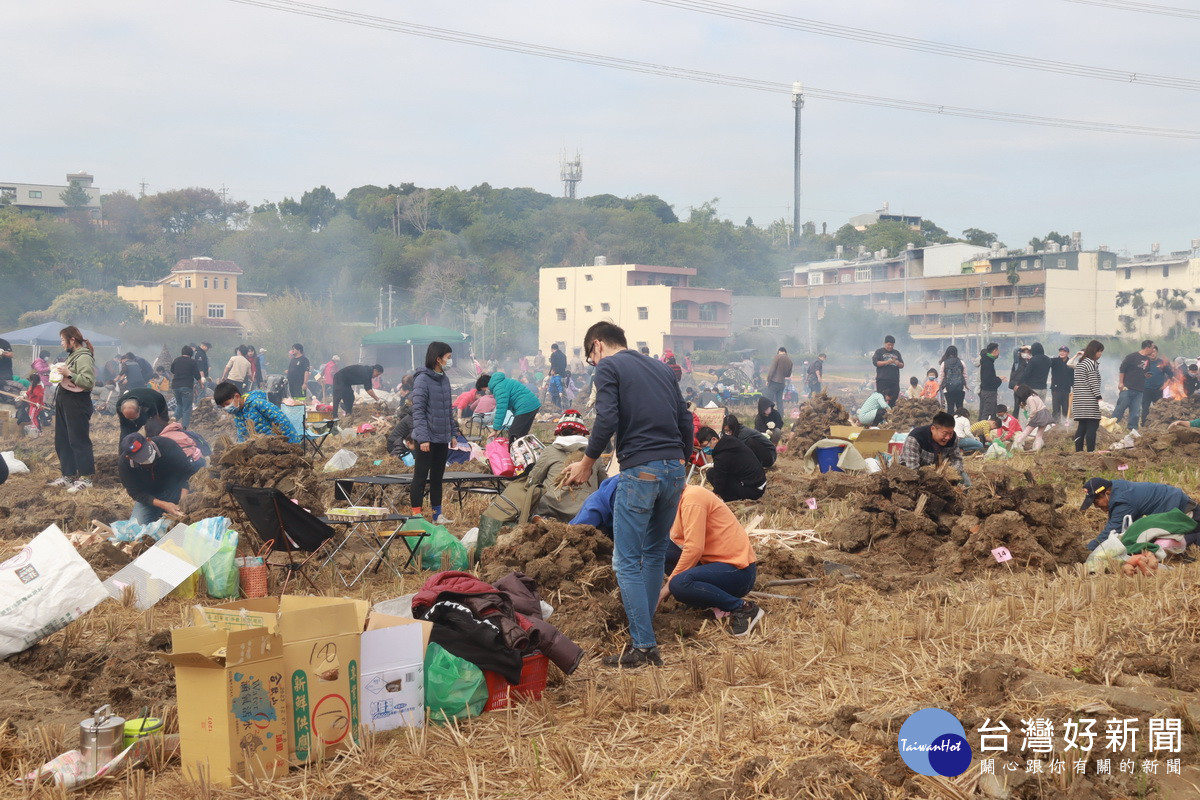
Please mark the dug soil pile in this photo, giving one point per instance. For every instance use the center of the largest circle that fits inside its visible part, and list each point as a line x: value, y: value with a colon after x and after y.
x: 912, y: 525
x: 1164, y: 412
x: 210, y: 420
x: 264, y: 461
x: 908, y: 414
x: 816, y: 416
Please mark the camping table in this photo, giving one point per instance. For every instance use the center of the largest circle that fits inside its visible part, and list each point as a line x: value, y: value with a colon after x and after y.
x: 379, y: 543
x: 353, y: 490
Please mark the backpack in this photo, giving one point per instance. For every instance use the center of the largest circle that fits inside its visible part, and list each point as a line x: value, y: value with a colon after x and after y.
x: 953, y: 372
x: 525, y: 452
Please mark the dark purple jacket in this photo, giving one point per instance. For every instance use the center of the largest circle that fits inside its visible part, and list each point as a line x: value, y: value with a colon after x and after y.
x: 433, y: 417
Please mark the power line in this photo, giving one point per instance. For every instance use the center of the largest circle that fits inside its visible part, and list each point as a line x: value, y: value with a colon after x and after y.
x: 738, y: 82
x: 1144, y: 8
x: 728, y: 11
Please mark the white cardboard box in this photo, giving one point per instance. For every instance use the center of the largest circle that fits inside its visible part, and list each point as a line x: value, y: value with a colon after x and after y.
x: 392, y: 685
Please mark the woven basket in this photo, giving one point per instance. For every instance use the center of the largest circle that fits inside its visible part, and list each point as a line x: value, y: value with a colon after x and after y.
x: 254, y: 579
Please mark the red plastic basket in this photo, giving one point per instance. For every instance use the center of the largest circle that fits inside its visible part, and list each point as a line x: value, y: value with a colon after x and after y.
x: 502, y: 694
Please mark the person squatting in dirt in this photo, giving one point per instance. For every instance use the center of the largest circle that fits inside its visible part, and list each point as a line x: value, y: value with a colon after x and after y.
x: 155, y: 473
x: 736, y: 472
x: 638, y: 400
x: 255, y: 406
x: 934, y: 444
x: 1121, y: 499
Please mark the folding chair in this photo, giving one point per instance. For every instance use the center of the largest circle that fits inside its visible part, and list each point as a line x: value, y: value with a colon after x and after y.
x: 312, y: 434
x: 287, y: 527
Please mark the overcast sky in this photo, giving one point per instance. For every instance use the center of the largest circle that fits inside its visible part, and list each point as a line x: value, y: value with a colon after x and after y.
x: 269, y: 104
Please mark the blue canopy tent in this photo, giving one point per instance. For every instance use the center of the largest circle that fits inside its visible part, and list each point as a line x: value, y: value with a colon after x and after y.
x: 400, y: 346
x: 46, y: 336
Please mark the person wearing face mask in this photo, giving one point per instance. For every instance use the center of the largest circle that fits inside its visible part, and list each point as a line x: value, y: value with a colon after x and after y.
x: 989, y: 381
x: 155, y: 473
x: 73, y: 412
x: 255, y: 406
x: 434, y: 427
x: 736, y: 473
x: 1020, y: 367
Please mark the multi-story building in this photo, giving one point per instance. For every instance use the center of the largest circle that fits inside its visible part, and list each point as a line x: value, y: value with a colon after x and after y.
x: 49, y: 197
x: 198, y: 291
x: 990, y: 294
x: 1157, y: 293
x: 657, y: 307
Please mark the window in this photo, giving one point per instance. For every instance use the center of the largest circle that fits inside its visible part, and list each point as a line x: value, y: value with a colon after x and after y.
x: 643, y: 312
x: 183, y: 313
x: 863, y: 274
x: 226, y: 284
x: 1037, y: 263
x: 679, y: 311
x: 816, y: 278
x: 640, y: 345
x: 1166, y: 271
x: 587, y: 277
x: 206, y: 282
x: 1062, y: 263
x: 708, y: 312
x: 562, y: 283
x: 35, y: 194
x: 561, y: 313
x: 216, y: 311
x: 187, y: 282
x: 605, y: 307
x: 160, y: 309
x: 765, y: 322
x: 8, y: 193
x: 587, y: 309
x: 1128, y: 273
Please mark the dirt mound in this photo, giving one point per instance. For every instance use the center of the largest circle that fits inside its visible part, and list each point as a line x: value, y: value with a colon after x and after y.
x: 1164, y: 412
x: 264, y: 461
x: 569, y: 559
x: 816, y: 416
x: 1156, y: 445
x: 908, y: 414
x: 911, y: 525
x: 104, y: 558
x: 208, y: 419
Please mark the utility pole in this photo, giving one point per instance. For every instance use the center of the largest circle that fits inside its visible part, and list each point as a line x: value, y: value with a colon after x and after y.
x: 798, y: 104
x: 224, y: 193
x: 391, y: 317
x: 143, y: 186
x: 379, y: 316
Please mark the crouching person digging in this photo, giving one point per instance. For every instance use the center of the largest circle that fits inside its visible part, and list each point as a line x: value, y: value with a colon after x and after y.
x: 711, y: 561
x: 155, y: 473
x: 933, y: 445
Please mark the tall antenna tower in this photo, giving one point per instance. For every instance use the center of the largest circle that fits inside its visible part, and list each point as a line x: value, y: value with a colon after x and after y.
x: 572, y: 174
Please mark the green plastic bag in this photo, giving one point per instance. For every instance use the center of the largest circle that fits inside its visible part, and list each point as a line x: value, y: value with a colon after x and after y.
x: 220, y: 571
x: 454, y: 687
x: 438, y: 542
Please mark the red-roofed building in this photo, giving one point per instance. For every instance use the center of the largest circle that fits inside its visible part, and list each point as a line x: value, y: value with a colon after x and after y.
x: 198, y: 291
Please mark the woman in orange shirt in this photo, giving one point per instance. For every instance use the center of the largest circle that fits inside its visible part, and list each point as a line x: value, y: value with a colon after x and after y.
x: 711, y: 562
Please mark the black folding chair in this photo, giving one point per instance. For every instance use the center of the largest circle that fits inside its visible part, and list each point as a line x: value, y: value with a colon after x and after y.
x: 287, y: 527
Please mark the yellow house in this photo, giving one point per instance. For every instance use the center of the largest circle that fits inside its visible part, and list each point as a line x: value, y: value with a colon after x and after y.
x: 656, y: 305
x: 198, y: 291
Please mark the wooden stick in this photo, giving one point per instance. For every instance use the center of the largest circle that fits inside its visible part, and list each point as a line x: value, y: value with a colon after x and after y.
x: 790, y: 582
x: 770, y: 596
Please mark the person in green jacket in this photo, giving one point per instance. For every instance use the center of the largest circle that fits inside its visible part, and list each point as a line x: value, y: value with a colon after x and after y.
x: 1183, y: 423
x: 874, y: 410
x: 511, y: 396
x: 73, y: 412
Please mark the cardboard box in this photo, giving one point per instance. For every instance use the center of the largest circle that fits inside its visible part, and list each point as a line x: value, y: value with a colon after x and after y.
x: 239, y: 615
x: 233, y: 703
x: 393, y: 672
x: 321, y: 657
x: 866, y: 441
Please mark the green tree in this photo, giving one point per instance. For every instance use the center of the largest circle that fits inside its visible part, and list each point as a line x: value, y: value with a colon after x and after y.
x: 75, y: 197
x: 181, y: 210
x: 979, y: 237
x: 88, y: 308
x: 1051, y: 237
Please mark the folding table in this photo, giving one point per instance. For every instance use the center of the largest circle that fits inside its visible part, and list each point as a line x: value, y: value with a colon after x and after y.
x: 361, y: 526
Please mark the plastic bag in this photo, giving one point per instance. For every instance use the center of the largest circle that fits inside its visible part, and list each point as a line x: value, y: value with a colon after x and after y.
x: 342, y: 459
x: 15, y: 465
x: 997, y: 450
x: 221, y: 577
x: 127, y: 530
x: 454, y: 687
x: 438, y: 542
x: 1108, y: 554
x: 499, y: 459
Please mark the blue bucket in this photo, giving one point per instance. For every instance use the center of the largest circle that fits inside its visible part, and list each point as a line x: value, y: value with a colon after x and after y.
x: 827, y: 458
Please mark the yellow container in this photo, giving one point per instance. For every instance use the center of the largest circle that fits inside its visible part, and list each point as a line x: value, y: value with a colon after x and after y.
x: 140, y: 728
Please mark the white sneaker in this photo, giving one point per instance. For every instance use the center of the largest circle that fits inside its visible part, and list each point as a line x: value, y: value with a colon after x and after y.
x: 61, y: 480
x: 441, y: 519
x: 80, y: 485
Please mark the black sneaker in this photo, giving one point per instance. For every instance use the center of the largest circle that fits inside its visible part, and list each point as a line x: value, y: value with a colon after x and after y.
x: 742, y: 621
x: 634, y: 657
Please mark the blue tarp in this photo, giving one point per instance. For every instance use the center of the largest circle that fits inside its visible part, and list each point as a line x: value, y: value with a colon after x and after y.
x: 46, y: 335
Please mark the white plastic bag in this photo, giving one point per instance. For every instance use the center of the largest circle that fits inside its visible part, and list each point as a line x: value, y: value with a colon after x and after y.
x: 44, y: 588
x: 342, y: 459
x: 1107, y: 553
x: 15, y: 465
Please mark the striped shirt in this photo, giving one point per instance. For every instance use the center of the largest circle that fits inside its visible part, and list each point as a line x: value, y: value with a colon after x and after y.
x: 1085, y: 394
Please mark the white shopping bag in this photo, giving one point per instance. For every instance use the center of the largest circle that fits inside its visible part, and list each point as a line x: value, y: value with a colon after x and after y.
x: 44, y: 588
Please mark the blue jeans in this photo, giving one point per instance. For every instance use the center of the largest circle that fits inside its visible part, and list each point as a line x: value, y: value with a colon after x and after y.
x: 144, y: 514
x: 644, y: 508
x: 715, y: 585
x: 183, y: 406
x: 969, y: 444
x: 1130, y: 399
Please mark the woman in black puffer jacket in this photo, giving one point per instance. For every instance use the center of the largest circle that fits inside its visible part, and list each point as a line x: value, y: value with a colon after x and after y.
x: 434, y: 427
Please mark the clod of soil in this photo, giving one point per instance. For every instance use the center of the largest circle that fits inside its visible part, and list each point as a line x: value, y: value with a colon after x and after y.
x: 816, y: 417
x: 263, y: 461
x: 908, y: 414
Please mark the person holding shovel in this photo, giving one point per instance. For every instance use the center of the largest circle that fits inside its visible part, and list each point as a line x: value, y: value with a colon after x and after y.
x: 155, y: 473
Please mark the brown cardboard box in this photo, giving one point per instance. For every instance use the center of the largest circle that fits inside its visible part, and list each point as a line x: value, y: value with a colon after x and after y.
x: 866, y: 441
x: 239, y: 614
x: 233, y: 703
x: 321, y: 653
